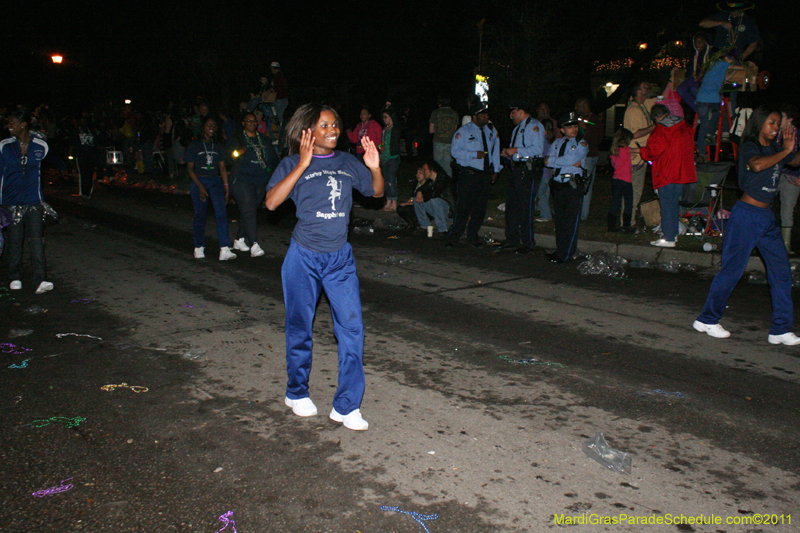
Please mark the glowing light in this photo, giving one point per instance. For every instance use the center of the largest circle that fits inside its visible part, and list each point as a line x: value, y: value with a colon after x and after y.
x: 643, y: 46
x: 57, y: 59
x: 236, y: 153
x: 127, y: 101
x: 482, y: 87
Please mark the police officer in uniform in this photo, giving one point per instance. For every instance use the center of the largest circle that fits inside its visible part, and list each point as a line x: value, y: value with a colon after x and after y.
x: 477, y: 153
x: 569, y: 184
x: 526, y: 154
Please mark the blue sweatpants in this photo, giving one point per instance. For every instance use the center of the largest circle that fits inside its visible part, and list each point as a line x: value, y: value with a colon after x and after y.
x: 305, y: 273
x: 216, y: 194
x: 752, y: 227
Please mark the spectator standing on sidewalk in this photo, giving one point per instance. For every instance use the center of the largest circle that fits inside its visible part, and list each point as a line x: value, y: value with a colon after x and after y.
x: 368, y: 127
x: 671, y: 150
x: 443, y: 125
x: 592, y: 134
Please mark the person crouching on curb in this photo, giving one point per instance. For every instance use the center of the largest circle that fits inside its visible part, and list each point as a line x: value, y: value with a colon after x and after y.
x: 671, y: 149
x: 566, y: 157
x: 752, y: 224
x: 428, y: 200
x: 320, y: 181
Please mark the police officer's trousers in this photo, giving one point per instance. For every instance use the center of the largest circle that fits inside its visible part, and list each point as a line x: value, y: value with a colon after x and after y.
x: 304, y: 274
x: 567, y: 209
x: 473, y: 196
x: 522, y: 190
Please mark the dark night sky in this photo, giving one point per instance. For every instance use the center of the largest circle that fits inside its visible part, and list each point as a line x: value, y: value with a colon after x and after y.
x: 157, y: 52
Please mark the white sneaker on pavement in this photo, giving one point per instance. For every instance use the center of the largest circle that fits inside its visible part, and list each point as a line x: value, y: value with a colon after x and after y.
x: 663, y: 243
x: 200, y: 253
x: 256, y: 251
x: 240, y: 245
x: 225, y: 254
x: 789, y: 339
x: 352, y: 420
x: 301, y: 407
x: 715, y: 330
x: 15, y: 285
x: 44, y: 287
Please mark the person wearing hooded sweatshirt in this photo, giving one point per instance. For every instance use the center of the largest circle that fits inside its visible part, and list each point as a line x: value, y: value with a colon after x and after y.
x: 671, y: 150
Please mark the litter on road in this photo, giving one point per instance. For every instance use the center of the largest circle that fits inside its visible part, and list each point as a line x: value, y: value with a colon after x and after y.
x: 53, y: 490
x: 420, y: 518
x: 598, y: 449
x: 135, y: 388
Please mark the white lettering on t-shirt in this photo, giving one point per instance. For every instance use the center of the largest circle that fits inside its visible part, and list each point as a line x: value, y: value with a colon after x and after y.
x: 329, y: 216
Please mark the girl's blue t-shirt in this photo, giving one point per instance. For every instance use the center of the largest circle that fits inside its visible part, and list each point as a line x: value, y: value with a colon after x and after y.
x: 323, y: 197
x: 206, y: 157
x: 761, y: 186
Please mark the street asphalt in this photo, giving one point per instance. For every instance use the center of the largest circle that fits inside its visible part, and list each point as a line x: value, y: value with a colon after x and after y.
x: 486, y: 374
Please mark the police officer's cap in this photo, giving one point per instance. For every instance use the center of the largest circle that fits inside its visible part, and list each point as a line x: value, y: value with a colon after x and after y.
x: 518, y: 104
x: 477, y: 108
x: 570, y: 119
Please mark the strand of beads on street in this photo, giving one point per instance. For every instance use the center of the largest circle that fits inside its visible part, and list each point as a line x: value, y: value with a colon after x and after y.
x: 61, y: 335
x: 530, y: 362
x: 228, y: 521
x: 68, y: 422
x: 420, y: 518
x: 23, y: 364
x: 53, y: 490
x: 135, y: 388
x: 13, y: 349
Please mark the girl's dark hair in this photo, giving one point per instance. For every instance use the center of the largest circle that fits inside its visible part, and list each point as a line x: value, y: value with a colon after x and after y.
x: 306, y: 117
x: 622, y: 138
x: 393, y: 115
x: 752, y: 129
x: 23, y: 115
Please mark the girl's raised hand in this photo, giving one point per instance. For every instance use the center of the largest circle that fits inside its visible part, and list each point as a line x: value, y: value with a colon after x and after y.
x: 306, y: 146
x: 371, y: 157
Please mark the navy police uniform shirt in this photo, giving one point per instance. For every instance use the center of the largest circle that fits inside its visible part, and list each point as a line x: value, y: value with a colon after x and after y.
x: 467, y: 142
x: 323, y: 196
x: 206, y: 157
x: 574, y: 152
x: 529, y: 140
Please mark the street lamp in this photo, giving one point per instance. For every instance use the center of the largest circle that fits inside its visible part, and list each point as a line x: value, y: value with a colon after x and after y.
x: 57, y: 59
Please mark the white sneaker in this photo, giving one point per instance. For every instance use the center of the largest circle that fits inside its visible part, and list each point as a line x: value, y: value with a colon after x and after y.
x: 200, y: 253
x: 663, y: 243
x: 789, y: 339
x: 352, y: 420
x: 301, y: 407
x: 15, y: 285
x: 717, y: 331
x: 44, y: 287
x: 225, y: 254
x: 240, y: 245
x: 256, y: 251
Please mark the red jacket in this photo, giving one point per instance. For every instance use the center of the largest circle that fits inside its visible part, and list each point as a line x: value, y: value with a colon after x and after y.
x: 671, y: 149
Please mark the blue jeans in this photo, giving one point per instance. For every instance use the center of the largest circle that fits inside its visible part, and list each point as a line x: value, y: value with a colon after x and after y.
x: 441, y: 154
x: 389, y: 169
x: 304, y: 274
x: 30, y: 227
x: 248, y: 198
x: 543, y: 196
x: 752, y: 227
x: 589, y: 169
x: 436, y: 208
x: 668, y: 197
x: 216, y: 193
x: 707, y: 120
